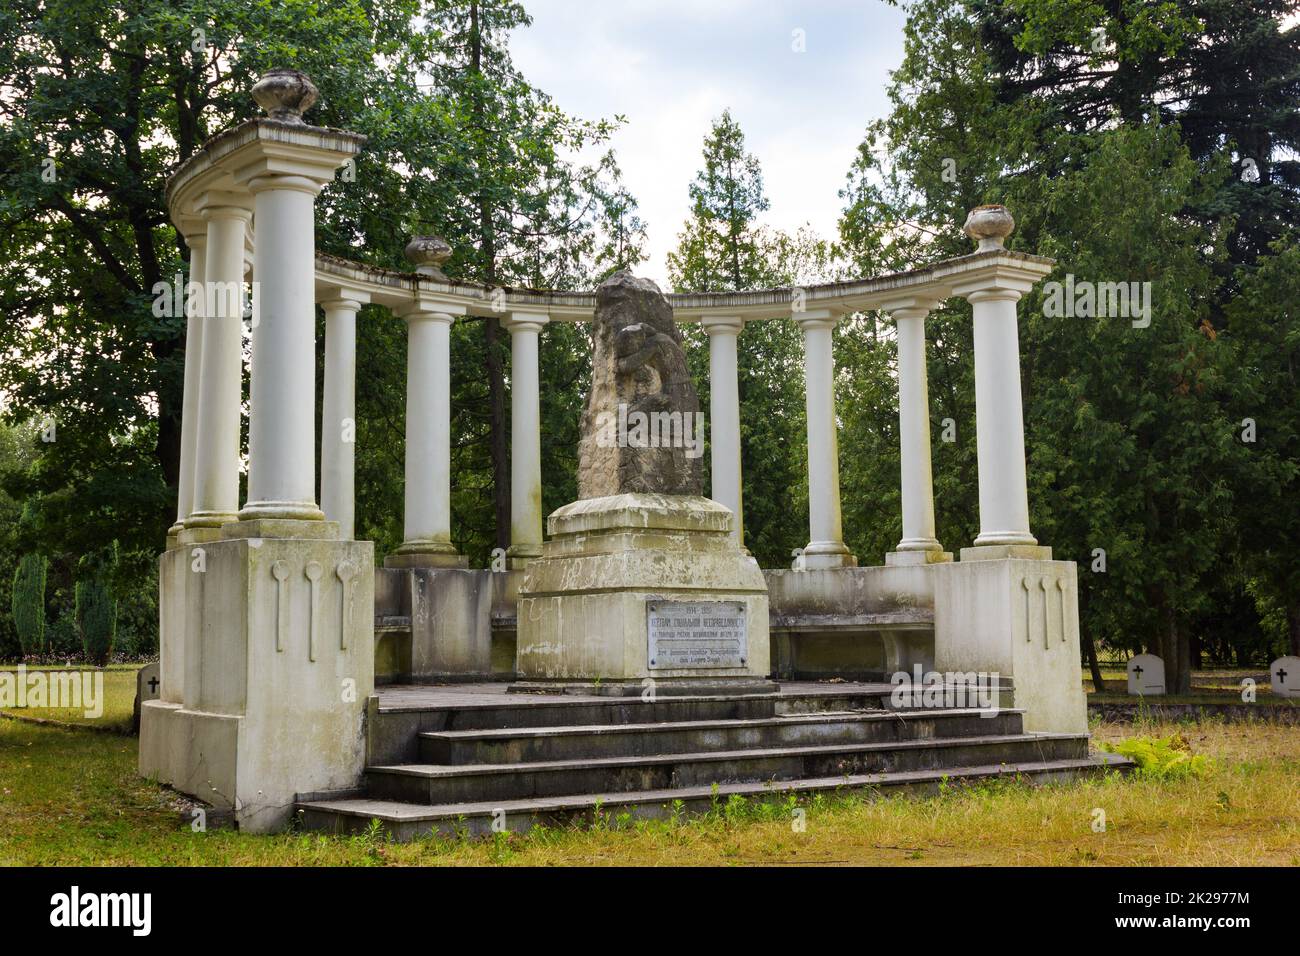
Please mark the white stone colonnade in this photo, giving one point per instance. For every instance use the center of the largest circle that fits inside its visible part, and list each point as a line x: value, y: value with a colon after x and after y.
x: 267, y: 610
x: 254, y: 188
x: 281, y: 475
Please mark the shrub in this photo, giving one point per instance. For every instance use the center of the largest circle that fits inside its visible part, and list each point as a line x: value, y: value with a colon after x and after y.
x: 96, y: 613
x: 28, y: 605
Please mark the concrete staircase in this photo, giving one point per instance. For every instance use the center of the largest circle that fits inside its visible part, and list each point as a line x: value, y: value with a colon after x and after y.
x: 453, y: 761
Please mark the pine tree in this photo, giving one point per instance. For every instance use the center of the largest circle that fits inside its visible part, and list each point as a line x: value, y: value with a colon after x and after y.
x: 1129, y: 431
x: 518, y: 212
x: 720, y: 249
x: 723, y: 248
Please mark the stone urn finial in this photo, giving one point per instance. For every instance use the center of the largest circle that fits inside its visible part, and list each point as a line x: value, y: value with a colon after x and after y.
x: 429, y: 253
x: 990, y: 225
x: 285, y: 94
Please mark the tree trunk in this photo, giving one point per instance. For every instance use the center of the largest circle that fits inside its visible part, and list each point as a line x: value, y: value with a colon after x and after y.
x: 1175, y: 650
x: 1089, y: 645
x: 498, y: 447
x: 1182, y: 641
x: 1293, y: 619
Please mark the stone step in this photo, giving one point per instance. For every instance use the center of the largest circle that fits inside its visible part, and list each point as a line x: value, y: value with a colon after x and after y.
x: 435, y: 784
x: 532, y: 744
x: 407, y: 821
x: 404, y: 713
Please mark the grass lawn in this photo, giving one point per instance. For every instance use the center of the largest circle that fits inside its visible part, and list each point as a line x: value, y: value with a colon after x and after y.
x: 119, y: 698
x: 71, y: 797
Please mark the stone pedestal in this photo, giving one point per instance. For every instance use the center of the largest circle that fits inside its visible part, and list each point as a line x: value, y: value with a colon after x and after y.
x: 619, y: 567
x: 1018, y: 619
x: 267, y: 665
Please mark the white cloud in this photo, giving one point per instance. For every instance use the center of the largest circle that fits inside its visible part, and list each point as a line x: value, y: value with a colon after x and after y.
x: 671, y: 66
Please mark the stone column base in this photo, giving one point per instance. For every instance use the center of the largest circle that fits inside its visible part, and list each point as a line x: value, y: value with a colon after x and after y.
x: 898, y: 559
x: 997, y: 552
x: 422, y: 554
x: 518, y: 556
x: 821, y: 555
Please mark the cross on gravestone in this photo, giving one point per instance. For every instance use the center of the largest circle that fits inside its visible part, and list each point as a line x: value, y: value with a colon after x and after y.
x: 1146, y: 676
x: 147, y: 682
x: 1284, y: 675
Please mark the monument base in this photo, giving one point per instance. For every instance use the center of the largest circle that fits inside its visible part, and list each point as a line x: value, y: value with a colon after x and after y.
x: 1015, y: 620
x: 267, y: 666
x: 639, y: 594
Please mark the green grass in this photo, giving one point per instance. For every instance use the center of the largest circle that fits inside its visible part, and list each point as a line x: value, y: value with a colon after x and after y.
x: 70, y: 797
x: 119, y: 699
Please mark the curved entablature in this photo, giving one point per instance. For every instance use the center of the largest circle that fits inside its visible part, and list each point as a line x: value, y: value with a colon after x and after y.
x: 226, y: 170
x: 394, y: 289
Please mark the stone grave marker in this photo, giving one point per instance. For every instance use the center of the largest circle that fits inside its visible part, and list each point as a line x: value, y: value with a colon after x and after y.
x: 147, y: 684
x: 1146, y: 676
x: 1284, y: 675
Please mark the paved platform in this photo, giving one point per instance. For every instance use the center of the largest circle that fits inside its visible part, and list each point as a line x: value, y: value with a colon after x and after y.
x: 397, y: 697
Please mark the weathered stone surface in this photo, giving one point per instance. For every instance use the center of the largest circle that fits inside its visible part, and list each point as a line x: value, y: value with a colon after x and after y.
x: 1016, y: 620
x: 278, y: 668
x: 583, y: 606
x: 638, y: 363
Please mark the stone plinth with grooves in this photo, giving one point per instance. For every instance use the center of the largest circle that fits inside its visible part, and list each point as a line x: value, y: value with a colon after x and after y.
x: 617, y: 567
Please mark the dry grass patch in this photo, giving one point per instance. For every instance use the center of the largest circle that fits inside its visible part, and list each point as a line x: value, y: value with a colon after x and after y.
x: 70, y: 797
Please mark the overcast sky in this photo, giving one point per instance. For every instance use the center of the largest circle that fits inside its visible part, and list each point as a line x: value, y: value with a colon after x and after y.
x: 671, y: 66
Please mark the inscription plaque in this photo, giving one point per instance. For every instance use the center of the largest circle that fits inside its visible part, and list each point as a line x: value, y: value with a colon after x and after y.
x: 697, y: 634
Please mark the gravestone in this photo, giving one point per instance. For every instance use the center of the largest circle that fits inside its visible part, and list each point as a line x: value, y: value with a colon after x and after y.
x: 641, y: 589
x: 147, y: 684
x: 1284, y: 675
x: 1146, y: 676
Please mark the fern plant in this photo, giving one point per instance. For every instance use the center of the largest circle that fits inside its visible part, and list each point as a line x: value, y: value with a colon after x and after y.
x: 1162, y: 758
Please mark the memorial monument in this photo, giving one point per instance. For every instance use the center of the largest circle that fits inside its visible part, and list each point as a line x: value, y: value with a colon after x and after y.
x: 642, y: 588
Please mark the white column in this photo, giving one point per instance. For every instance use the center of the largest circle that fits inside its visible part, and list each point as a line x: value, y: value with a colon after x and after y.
x: 917, y: 489
x: 216, y: 455
x: 999, y: 420
x: 338, y: 424
x: 427, y: 537
x: 826, y: 547
x: 282, y: 391
x: 525, y: 439
x: 198, y: 245
x: 724, y: 416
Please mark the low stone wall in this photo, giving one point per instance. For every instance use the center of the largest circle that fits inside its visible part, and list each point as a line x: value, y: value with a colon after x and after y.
x: 444, y: 624
x: 854, y: 623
